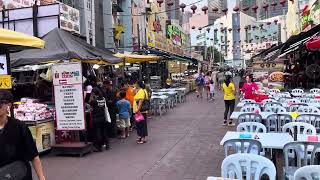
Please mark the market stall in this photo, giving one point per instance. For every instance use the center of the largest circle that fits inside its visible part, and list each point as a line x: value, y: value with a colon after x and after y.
x: 61, y: 47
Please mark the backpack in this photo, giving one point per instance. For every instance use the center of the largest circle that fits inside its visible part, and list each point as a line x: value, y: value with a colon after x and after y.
x: 200, y: 81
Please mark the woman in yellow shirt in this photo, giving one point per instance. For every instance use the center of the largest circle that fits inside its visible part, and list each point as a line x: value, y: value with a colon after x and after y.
x: 142, y: 128
x: 229, y: 91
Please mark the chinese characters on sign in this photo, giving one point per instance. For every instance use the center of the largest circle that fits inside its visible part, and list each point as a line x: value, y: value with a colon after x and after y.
x: 67, y: 80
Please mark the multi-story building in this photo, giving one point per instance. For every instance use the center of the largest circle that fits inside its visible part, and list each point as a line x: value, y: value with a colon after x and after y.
x: 220, y: 4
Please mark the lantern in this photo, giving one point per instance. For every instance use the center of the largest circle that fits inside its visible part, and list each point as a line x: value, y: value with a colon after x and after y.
x: 283, y: 2
x: 200, y: 28
x: 170, y: 3
x: 208, y: 29
x: 274, y: 4
x: 238, y: 29
x: 193, y: 27
x: 182, y: 6
x: 276, y: 21
x: 245, y: 9
x: 225, y: 10
x: 215, y: 30
x: 246, y: 28
x: 230, y: 29
x: 205, y: 9
x: 222, y: 29
x: 159, y: 2
x: 236, y: 8
x: 194, y: 8
x: 269, y: 23
x: 254, y: 27
x: 215, y: 9
x: 255, y: 8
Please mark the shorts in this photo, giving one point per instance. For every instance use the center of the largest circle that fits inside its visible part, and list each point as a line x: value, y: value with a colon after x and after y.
x: 123, y: 123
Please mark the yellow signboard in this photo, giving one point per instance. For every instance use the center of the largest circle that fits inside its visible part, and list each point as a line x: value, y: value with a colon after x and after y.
x: 5, y: 82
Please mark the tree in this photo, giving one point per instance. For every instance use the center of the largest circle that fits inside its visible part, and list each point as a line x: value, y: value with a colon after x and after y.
x: 217, y: 55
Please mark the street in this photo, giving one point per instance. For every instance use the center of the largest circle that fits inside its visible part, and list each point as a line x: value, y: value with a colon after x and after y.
x: 183, y: 144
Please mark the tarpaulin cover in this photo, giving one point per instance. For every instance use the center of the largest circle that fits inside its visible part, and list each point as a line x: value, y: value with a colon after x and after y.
x: 135, y: 58
x: 62, y: 45
x: 314, y: 44
x: 11, y: 40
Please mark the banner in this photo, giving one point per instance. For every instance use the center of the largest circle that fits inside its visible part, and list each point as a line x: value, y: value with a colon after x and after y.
x: 68, y: 95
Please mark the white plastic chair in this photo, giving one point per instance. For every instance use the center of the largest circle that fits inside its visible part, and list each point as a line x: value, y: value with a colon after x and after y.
x: 315, y: 91
x: 299, y: 154
x: 317, y: 101
x: 273, y: 91
x: 275, y: 109
x: 292, y: 101
x: 251, y: 127
x: 248, y: 101
x: 271, y: 104
x: 301, y: 127
x: 275, y: 122
x: 308, y: 109
x: 297, y: 92
x: 250, y: 109
x: 310, y: 172
x: 265, y: 101
x: 249, y: 117
x: 295, y: 107
x: 304, y: 100
x: 233, y: 146
x: 236, y: 166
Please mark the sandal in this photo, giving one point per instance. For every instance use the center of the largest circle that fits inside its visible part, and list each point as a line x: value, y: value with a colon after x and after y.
x: 231, y: 124
x: 224, y: 123
x: 140, y: 142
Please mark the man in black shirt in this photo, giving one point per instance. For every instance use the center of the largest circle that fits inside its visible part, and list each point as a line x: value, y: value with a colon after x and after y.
x: 111, y: 99
x: 16, y: 141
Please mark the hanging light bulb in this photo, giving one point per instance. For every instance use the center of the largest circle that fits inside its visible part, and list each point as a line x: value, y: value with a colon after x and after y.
x: 225, y: 10
x: 194, y: 8
x: 204, y: 9
x: 182, y: 6
x: 215, y: 9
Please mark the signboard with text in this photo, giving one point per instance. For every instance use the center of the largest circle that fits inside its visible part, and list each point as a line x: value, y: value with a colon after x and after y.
x: 68, y: 93
x: 3, y: 65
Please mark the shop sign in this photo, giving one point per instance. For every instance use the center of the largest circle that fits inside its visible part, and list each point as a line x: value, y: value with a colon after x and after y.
x: 174, y: 34
x: 3, y: 65
x: 315, y: 12
x: 70, y: 18
x: 43, y: 135
x: 68, y: 93
x: 5, y: 82
x: 157, y: 26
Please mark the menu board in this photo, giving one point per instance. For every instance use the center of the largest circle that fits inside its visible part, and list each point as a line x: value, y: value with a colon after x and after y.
x: 12, y: 4
x: 68, y: 93
x: 70, y: 18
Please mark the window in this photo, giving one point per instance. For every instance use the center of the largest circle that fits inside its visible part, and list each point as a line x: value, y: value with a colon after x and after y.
x: 89, y: 4
x: 89, y: 25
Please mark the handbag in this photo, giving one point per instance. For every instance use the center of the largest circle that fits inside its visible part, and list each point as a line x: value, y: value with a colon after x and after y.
x: 14, y: 171
x: 138, y: 117
x: 146, y: 104
x: 106, y: 112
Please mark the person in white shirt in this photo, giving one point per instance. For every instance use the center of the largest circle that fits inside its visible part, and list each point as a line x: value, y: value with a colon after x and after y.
x: 211, y: 86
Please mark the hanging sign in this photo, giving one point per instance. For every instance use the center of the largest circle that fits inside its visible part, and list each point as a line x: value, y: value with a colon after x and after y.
x: 3, y: 65
x: 5, y: 82
x: 68, y: 93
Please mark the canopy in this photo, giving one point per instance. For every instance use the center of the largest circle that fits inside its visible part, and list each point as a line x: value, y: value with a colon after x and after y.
x: 294, y: 42
x: 62, y: 45
x: 11, y: 40
x: 314, y: 44
x: 135, y: 58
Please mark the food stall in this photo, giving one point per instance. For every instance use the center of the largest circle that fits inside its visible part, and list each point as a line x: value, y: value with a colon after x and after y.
x: 39, y: 122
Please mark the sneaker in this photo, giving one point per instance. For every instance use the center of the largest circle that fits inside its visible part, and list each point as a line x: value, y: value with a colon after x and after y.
x: 225, y: 123
x: 231, y: 124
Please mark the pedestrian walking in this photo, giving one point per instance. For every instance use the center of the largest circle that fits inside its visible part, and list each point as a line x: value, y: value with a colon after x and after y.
x: 211, y: 87
x: 229, y: 91
x: 99, y: 120
x: 207, y: 80
x: 200, y: 82
x: 141, y: 99
x: 17, y: 147
x: 124, y: 109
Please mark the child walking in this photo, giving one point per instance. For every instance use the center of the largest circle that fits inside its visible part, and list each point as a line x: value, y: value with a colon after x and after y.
x: 211, y: 86
x: 124, y: 108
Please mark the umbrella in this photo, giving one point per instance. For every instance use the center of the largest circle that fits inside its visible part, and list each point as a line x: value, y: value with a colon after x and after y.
x: 11, y: 40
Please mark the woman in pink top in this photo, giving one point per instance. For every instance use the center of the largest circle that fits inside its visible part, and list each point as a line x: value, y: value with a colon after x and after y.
x: 249, y: 88
x: 207, y: 80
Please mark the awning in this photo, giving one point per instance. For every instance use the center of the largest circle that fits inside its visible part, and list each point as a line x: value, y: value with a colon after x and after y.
x: 61, y: 45
x: 314, y: 44
x: 171, y: 56
x: 11, y: 40
x: 273, y: 53
x: 135, y: 58
x: 295, y: 42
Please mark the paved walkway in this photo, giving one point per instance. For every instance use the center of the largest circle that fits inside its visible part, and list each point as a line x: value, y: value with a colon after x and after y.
x: 183, y: 145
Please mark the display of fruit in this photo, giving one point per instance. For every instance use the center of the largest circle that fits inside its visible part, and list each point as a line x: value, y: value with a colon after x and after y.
x: 276, y: 76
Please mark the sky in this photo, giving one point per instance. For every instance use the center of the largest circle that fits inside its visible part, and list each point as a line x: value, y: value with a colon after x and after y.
x: 231, y: 3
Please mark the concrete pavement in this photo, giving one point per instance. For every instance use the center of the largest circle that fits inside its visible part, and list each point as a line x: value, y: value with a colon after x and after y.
x: 183, y: 145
